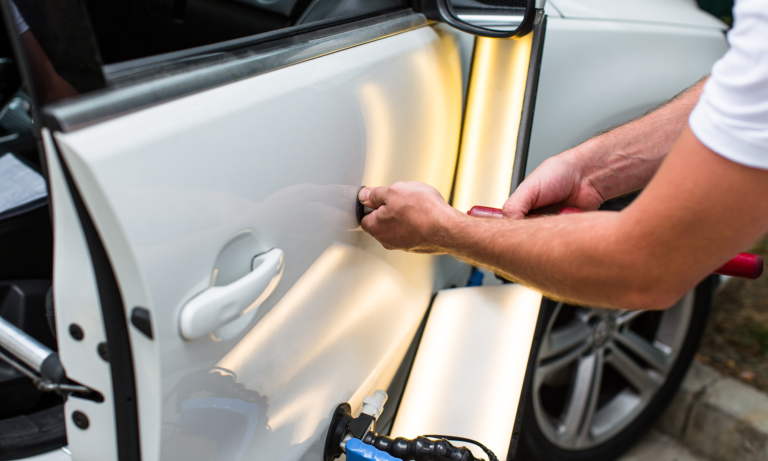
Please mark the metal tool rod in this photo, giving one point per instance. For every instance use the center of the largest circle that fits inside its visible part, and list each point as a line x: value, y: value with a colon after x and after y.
x: 22, y: 346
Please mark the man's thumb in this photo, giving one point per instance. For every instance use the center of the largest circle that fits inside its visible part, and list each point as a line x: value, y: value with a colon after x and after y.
x: 372, y: 197
x: 516, y: 207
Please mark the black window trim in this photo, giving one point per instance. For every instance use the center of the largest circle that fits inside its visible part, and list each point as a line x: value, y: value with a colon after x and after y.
x: 118, y: 73
x: 179, y: 74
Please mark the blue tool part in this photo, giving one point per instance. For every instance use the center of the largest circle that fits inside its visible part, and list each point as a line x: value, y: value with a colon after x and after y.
x: 359, y: 451
x: 475, y: 278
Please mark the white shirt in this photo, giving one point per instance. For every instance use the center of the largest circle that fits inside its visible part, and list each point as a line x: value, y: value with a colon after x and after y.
x: 731, y: 117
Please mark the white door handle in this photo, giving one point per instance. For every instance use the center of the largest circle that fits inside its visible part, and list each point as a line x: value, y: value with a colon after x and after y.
x: 217, y: 306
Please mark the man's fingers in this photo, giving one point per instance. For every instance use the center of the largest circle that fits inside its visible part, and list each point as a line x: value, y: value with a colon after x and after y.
x: 363, y: 194
x: 513, y: 212
x: 368, y: 223
x: 372, y: 197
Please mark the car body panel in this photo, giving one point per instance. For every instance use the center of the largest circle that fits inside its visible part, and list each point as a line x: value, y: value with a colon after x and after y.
x: 76, y: 288
x: 282, y: 154
x: 579, y: 94
x: 672, y: 12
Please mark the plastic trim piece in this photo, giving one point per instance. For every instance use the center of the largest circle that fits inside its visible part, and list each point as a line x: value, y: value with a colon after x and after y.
x: 529, y: 105
x: 225, y: 68
x: 526, y: 24
x: 116, y: 329
x: 141, y: 319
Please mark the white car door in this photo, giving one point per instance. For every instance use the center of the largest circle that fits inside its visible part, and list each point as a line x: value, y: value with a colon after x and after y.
x: 205, y: 214
x: 180, y: 179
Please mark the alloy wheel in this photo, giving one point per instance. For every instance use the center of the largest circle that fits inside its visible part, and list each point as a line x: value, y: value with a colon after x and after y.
x: 598, y: 369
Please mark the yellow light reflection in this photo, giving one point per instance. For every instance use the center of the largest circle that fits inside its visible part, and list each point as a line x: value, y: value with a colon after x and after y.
x: 412, y: 131
x: 469, y: 370
x: 377, y: 116
x: 296, y: 298
x: 492, y: 121
x: 293, y: 354
x: 440, y: 89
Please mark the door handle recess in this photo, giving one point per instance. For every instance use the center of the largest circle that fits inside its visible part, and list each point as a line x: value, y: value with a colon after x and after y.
x: 216, y: 306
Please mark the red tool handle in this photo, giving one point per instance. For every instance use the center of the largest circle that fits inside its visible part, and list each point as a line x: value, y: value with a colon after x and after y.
x: 744, y: 265
x: 485, y: 212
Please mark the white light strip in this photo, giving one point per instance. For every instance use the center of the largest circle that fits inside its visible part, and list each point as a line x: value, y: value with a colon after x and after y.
x: 492, y: 121
x: 469, y: 370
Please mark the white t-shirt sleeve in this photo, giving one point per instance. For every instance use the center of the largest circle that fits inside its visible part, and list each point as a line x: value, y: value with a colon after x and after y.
x: 731, y: 117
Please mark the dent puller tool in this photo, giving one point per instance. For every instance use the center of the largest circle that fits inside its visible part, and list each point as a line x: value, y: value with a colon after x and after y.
x: 357, y: 438
x: 744, y: 265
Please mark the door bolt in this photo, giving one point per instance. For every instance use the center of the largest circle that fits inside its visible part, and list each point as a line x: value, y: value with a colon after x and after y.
x: 103, y: 351
x: 76, y: 332
x: 80, y: 420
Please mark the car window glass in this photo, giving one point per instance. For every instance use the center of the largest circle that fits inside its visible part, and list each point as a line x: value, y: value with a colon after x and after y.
x: 134, y: 29
x: 55, y: 48
x: 319, y: 10
x: 65, y: 47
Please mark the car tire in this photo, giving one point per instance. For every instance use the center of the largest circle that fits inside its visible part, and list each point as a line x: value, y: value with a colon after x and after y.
x: 549, y: 435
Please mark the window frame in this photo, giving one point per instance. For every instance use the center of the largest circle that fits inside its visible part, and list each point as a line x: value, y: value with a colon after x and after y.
x: 173, y: 75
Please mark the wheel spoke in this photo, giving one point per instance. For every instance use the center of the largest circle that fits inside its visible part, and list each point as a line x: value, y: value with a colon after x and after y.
x: 564, y: 339
x: 583, y: 399
x: 657, y: 358
x: 556, y: 365
x: 593, y: 397
x: 579, y: 399
x: 633, y: 372
x: 627, y: 316
x: 675, y: 322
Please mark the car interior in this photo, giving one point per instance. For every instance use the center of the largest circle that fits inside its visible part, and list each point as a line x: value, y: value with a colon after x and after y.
x: 30, y: 421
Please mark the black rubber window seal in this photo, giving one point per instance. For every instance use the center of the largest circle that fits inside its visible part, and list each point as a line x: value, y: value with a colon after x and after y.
x: 529, y: 105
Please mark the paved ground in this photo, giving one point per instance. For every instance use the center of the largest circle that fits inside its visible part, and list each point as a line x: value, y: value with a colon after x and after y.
x: 656, y: 446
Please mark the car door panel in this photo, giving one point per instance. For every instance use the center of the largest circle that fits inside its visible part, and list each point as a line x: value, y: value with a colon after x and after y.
x: 664, y: 60
x: 281, y: 154
x: 77, y: 288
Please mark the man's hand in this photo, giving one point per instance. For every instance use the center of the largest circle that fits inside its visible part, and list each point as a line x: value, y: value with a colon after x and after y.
x: 556, y: 183
x: 408, y: 216
x: 693, y: 216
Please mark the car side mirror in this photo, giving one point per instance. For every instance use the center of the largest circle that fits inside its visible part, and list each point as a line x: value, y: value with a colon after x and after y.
x: 485, y: 18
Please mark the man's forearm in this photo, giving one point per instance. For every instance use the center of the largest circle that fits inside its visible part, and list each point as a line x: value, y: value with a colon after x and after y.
x: 577, y: 258
x: 689, y: 220
x: 692, y: 217
x: 624, y: 159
